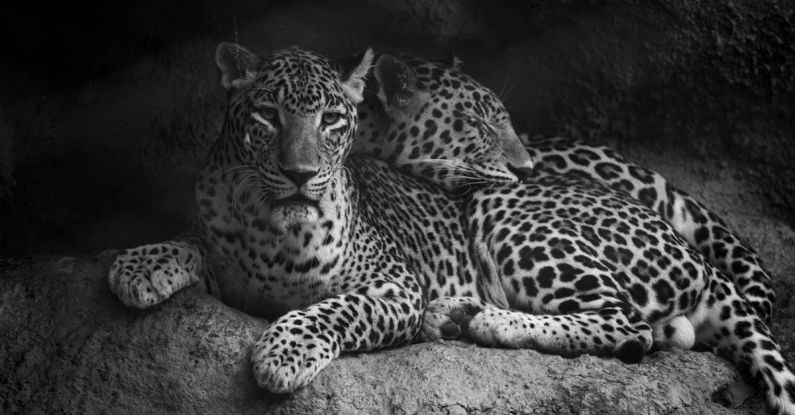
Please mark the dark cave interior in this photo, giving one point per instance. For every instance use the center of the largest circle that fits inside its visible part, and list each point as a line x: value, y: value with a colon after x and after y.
x: 113, y: 105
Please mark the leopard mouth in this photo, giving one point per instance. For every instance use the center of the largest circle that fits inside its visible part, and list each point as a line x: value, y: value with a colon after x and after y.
x: 295, y: 200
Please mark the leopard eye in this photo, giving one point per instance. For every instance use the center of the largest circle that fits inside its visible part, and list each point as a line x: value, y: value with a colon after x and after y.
x: 268, y: 116
x: 269, y: 113
x: 330, y: 117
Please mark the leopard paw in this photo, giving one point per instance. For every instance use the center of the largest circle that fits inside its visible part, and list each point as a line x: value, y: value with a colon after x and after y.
x: 448, y: 318
x: 498, y: 328
x: 288, y: 356
x: 146, y: 275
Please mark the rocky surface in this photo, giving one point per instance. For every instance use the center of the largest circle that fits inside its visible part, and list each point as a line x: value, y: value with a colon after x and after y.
x: 67, y: 346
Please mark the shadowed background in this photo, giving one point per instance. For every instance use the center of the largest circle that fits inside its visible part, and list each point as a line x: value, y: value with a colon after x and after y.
x: 107, y: 109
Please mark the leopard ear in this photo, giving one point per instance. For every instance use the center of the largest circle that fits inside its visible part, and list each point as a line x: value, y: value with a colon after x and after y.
x: 353, y: 79
x: 238, y: 66
x: 397, y: 82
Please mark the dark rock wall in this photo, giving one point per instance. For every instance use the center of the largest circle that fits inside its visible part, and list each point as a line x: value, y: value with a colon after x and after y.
x: 109, y: 110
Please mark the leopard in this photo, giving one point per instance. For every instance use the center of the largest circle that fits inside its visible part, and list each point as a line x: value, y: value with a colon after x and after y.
x: 435, y: 121
x: 339, y: 252
x: 589, y: 263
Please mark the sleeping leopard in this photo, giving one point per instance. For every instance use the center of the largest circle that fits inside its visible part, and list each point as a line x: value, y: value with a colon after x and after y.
x: 582, y: 250
x: 419, y: 107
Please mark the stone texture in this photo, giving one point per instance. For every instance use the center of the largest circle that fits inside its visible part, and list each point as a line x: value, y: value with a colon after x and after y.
x: 67, y: 346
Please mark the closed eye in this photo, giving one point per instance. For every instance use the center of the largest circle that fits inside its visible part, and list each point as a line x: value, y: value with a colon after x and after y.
x: 476, y: 120
x: 490, y: 128
x: 482, y: 123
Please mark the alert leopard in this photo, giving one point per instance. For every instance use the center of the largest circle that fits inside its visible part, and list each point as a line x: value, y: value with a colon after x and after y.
x: 340, y: 253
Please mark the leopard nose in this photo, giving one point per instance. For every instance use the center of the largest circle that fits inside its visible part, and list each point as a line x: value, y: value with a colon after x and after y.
x: 299, y: 177
x: 523, y: 173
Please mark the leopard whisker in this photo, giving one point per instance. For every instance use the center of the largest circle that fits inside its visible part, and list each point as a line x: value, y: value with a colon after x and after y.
x: 244, y: 177
x: 458, y: 165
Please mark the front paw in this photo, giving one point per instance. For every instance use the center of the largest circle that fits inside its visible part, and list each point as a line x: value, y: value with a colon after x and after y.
x: 289, y: 354
x: 448, y: 318
x: 146, y: 275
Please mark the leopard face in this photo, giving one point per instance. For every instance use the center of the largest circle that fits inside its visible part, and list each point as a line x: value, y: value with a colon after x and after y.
x: 441, y: 124
x: 291, y: 119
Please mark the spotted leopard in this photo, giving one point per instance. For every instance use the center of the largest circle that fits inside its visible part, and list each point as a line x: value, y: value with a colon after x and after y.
x: 423, y: 116
x: 585, y: 268
x: 341, y: 253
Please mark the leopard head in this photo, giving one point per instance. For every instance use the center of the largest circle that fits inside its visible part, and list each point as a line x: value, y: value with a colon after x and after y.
x: 290, y: 121
x: 441, y: 124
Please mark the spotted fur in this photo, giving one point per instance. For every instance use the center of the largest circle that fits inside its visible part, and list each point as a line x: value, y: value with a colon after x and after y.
x: 692, y: 220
